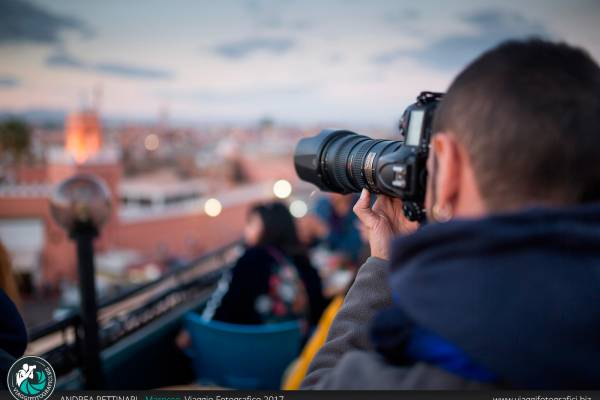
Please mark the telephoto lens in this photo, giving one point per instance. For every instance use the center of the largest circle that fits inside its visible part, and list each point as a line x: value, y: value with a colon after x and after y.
x: 345, y: 162
x: 342, y: 161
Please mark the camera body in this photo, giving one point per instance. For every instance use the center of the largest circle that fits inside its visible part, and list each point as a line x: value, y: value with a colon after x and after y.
x: 345, y: 162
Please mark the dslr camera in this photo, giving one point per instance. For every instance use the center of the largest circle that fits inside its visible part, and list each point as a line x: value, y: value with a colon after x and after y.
x: 345, y: 162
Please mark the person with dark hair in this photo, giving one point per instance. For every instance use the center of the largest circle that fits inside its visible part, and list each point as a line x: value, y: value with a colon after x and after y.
x: 502, y: 287
x: 273, y: 280
x: 342, y: 238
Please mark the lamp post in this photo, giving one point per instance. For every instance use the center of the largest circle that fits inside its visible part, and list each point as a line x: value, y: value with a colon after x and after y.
x: 81, y: 205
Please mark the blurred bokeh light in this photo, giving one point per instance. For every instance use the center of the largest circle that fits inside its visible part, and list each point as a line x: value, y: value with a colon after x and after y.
x: 213, y: 207
x: 298, y: 208
x: 282, y: 189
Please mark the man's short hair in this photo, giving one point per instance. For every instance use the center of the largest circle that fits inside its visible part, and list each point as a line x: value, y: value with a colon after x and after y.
x: 528, y: 113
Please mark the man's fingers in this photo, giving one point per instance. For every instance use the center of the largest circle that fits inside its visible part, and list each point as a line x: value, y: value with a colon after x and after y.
x: 382, y: 205
x: 385, y: 206
x: 363, y: 211
x: 391, y: 209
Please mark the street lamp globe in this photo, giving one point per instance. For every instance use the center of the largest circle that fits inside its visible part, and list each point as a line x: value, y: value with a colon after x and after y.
x: 82, y: 199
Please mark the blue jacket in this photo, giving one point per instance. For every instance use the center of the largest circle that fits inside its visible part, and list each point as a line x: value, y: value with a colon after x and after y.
x: 511, y: 299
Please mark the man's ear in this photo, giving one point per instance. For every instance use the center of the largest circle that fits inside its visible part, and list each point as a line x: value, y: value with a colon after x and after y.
x: 452, y: 187
x: 446, y: 179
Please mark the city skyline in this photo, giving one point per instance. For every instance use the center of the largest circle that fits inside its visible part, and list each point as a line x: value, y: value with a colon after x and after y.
x: 301, y: 62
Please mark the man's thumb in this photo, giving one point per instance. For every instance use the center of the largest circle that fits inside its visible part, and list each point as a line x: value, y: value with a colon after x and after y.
x: 363, y: 211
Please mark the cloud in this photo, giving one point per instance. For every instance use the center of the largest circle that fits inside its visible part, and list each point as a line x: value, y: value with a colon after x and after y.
x: 131, y: 71
x: 276, y: 15
x: 243, y: 95
x: 254, y: 6
x: 453, y: 51
x: 278, y: 23
x: 335, y: 58
x: 62, y: 59
x: 402, y: 16
x: 247, y: 47
x: 23, y: 22
x: 8, y: 82
x: 407, y: 21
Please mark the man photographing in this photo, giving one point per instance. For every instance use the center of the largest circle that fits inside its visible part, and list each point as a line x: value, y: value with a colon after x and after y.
x: 502, y: 287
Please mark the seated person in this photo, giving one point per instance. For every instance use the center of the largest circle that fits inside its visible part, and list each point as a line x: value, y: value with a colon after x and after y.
x: 273, y: 280
x: 341, y: 236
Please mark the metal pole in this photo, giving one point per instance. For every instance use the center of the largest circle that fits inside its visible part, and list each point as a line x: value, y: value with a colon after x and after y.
x: 84, y: 235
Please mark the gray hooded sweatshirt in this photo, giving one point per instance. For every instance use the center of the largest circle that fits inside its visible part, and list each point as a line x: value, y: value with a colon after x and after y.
x: 347, y: 359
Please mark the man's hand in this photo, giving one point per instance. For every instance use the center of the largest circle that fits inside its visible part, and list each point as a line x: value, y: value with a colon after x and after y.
x: 385, y: 220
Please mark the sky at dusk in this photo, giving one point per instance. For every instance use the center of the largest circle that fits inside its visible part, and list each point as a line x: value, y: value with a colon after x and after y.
x: 236, y: 61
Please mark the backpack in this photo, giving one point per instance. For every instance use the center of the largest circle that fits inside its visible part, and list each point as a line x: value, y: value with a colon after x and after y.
x: 286, y: 298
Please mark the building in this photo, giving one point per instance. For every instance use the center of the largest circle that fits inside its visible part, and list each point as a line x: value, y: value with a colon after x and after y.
x: 83, y: 135
x: 154, y: 219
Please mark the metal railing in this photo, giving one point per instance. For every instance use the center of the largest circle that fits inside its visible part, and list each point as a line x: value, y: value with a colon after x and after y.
x: 59, y: 342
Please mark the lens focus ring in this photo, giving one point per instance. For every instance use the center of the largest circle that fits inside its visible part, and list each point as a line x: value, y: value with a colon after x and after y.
x: 341, y: 161
x: 358, y: 161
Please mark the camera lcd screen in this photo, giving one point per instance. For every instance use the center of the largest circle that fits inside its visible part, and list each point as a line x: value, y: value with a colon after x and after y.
x: 415, y: 124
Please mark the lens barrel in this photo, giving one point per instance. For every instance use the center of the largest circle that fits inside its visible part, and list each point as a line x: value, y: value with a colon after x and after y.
x: 342, y: 161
